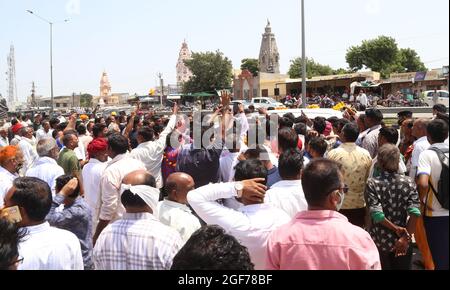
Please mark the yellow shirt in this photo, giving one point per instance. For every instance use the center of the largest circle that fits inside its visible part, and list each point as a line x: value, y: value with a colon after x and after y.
x: 356, y: 163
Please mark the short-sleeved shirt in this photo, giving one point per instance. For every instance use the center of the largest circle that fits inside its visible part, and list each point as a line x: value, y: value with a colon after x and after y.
x: 68, y: 160
x: 356, y: 162
x: 393, y: 195
x: 429, y: 164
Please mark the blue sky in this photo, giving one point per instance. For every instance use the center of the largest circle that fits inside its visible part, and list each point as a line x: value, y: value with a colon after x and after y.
x: 134, y: 40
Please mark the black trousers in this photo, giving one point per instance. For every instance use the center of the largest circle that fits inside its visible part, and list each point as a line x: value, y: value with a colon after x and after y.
x: 390, y: 263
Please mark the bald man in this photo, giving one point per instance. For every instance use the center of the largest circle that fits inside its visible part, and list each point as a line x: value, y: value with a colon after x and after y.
x: 173, y: 211
x: 138, y: 241
x: 419, y: 131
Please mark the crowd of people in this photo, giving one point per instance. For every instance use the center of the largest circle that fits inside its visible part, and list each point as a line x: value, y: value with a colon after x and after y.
x: 362, y: 99
x: 224, y: 192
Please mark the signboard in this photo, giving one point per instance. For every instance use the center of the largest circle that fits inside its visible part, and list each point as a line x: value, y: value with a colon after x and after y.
x: 420, y: 76
x: 402, y: 77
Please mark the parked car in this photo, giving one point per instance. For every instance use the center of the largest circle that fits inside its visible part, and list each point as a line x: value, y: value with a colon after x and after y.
x: 267, y: 103
x: 443, y: 97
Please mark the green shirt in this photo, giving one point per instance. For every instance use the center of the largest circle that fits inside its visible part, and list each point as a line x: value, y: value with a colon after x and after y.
x: 68, y: 160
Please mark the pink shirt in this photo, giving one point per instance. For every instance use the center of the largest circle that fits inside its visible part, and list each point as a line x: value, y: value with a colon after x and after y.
x: 321, y: 240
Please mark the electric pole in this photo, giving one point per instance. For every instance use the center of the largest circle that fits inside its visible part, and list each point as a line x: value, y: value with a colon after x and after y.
x: 161, y: 80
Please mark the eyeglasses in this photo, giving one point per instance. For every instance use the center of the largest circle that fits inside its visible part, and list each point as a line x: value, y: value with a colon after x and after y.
x: 17, y: 262
x: 344, y: 189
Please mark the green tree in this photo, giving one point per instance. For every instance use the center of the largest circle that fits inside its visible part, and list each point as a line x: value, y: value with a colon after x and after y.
x: 410, y: 60
x: 211, y: 71
x: 312, y: 68
x: 383, y: 55
x: 251, y: 64
x: 341, y: 71
x: 86, y: 100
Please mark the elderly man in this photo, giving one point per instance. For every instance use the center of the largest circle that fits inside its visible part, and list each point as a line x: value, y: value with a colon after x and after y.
x: 173, y: 211
x: 11, y: 160
x: 28, y: 147
x: 138, y: 241
x: 4, y: 141
x: 45, y: 132
x: 92, y: 174
x: 120, y: 166
x: 46, y: 168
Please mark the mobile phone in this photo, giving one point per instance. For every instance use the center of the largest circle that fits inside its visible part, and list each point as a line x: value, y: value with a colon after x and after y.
x: 12, y: 214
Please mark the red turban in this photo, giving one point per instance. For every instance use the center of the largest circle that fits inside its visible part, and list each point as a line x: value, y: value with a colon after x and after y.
x: 16, y: 128
x: 98, y: 145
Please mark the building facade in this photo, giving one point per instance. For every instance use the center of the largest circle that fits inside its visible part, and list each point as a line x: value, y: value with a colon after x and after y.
x: 183, y: 72
x: 269, y: 58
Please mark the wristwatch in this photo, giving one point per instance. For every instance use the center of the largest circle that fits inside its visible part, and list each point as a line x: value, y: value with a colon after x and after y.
x: 239, y: 187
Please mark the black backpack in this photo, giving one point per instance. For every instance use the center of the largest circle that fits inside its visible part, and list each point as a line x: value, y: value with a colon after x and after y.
x: 442, y: 193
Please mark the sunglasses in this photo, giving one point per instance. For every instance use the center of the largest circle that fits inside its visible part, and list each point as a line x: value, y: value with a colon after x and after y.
x: 410, y: 125
x: 344, y: 189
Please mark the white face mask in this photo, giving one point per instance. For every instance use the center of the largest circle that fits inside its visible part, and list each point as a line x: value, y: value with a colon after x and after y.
x: 341, y: 203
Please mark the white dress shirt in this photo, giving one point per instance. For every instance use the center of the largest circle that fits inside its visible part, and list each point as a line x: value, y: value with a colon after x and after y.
x: 228, y: 162
x: 151, y: 153
x: 4, y: 142
x: 92, y: 173
x: 179, y: 217
x: 29, y: 153
x: 111, y: 208
x: 41, y: 134
x: 250, y: 225
x: 136, y: 242
x: 49, y: 248
x: 370, y: 141
x: 420, y: 146
x: 6, y: 182
x: 288, y: 196
x: 46, y: 169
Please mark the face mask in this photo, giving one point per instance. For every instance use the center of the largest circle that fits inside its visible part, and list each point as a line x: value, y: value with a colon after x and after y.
x: 341, y: 203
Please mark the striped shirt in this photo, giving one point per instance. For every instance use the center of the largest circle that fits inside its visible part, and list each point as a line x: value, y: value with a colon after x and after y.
x: 136, y: 242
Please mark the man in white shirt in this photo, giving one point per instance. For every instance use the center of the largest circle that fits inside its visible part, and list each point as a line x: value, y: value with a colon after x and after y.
x: 173, y: 211
x: 45, y: 247
x: 11, y: 160
x: 27, y: 146
x: 45, y: 132
x: 151, y: 152
x: 138, y: 241
x: 251, y: 224
x: 229, y: 158
x: 373, y: 121
x: 4, y: 141
x: 362, y: 99
x: 46, y: 168
x: 120, y: 166
x: 287, y: 194
x: 436, y: 217
x: 92, y: 174
x: 419, y: 131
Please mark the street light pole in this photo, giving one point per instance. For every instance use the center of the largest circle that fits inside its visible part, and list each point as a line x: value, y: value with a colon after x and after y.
x: 51, y: 55
x: 304, y: 100
x: 51, y: 68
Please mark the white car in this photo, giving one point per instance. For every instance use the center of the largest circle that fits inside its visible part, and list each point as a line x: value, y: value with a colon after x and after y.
x: 267, y: 103
x: 443, y: 97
